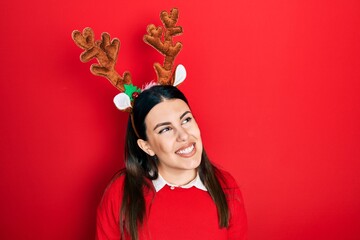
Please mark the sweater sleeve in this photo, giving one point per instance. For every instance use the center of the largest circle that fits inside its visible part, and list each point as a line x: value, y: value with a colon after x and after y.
x: 107, y: 220
x: 238, y: 226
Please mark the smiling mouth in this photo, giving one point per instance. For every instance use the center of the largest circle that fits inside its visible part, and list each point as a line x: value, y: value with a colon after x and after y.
x: 187, y: 152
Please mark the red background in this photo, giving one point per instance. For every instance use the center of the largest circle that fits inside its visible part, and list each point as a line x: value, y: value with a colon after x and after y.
x: 273, y: 84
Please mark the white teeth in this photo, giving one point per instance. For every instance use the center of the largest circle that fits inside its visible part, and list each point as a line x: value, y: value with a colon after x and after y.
x: 186, y: 150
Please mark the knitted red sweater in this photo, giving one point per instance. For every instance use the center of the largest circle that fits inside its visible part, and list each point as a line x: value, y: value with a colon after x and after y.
x: 176, y: 214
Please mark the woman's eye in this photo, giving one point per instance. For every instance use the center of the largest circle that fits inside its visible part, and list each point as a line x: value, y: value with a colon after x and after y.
x: 164, y: 130
x: 186, y: 120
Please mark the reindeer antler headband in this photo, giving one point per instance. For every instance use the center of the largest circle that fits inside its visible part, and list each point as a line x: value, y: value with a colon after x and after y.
x: 106, y: 52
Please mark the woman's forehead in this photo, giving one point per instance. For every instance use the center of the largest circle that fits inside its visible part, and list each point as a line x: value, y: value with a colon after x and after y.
x: 167, y: 111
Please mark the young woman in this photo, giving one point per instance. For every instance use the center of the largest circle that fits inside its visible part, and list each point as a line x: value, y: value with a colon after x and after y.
x: 169, y: 189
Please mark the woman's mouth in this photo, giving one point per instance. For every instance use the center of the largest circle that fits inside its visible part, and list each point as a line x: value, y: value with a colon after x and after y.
x: 187, y: 151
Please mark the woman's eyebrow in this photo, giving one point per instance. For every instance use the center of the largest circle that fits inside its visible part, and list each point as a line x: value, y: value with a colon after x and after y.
x: 168, y: 123
x: 161, y: 124
x: 184, y: 114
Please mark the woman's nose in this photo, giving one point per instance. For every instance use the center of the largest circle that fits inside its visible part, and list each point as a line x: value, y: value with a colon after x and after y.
x: 183, y: 135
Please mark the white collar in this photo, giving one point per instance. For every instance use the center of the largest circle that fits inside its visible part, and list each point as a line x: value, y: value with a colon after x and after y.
x: 160, y: 182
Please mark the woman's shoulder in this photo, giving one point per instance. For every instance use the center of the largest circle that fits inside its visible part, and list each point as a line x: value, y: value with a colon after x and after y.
x: 118, y: 178
x: 226, y: 179
x: 115, y: 186
x: 230, y: 187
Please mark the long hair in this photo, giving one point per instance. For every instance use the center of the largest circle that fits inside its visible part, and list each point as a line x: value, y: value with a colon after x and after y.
x: 139, y: 165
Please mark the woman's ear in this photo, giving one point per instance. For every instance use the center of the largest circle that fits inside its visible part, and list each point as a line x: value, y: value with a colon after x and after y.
x: 144, y: 145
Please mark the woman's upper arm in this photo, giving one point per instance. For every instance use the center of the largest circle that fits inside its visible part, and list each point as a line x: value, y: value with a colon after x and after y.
x: 238, y: 226
x: 107, y: 220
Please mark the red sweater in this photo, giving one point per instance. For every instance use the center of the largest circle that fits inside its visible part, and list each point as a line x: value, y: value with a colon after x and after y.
x: 176, y: 214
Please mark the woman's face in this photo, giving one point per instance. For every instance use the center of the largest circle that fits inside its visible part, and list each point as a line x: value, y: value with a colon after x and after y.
x: 174, y: 137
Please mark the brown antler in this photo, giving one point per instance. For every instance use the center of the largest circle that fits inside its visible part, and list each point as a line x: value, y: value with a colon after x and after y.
x: 166, y: 47
x: 105, y: 51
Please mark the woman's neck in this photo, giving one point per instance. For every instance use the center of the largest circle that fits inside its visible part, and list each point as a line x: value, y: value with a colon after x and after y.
x: 178, y: 178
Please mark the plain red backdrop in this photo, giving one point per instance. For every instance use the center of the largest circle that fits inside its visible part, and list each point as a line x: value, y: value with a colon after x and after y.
x: 274, y: 86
